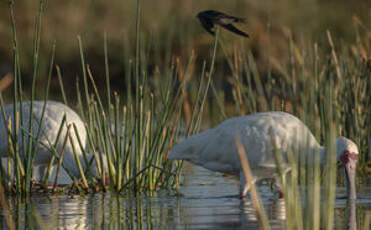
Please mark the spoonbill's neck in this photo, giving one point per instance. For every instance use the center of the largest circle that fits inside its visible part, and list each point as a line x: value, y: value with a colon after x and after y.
x: 323, y: 151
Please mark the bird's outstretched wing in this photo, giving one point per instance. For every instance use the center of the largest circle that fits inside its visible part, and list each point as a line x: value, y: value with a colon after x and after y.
x: 232, y: 28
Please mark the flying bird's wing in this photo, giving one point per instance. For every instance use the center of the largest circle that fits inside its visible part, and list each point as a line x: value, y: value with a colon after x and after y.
x: 233, y: 29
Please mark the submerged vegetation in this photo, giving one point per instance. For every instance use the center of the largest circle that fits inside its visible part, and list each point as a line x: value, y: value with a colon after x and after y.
x: 167, y: 97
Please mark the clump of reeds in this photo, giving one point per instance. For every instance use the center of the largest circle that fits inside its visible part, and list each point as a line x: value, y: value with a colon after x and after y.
x: 132, y: 132
x: 330, y: 93
x: 300, y: 88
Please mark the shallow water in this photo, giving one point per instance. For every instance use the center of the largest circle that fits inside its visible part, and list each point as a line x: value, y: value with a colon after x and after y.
x: 209, y: 201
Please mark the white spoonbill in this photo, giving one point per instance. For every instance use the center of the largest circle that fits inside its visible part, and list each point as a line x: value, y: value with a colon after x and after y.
x: 54, y: 113
x: 215, y: 149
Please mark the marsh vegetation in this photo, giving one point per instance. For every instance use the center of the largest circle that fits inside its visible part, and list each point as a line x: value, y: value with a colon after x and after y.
x: 142, y: 76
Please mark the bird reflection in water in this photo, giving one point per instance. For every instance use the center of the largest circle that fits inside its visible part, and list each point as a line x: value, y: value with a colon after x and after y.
x: 275, y: 209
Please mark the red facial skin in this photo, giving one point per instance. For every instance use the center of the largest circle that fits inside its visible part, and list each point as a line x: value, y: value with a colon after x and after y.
x: 347, y: 156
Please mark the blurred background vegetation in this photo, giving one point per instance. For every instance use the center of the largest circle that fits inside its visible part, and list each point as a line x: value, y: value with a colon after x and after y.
x: 171, y: 32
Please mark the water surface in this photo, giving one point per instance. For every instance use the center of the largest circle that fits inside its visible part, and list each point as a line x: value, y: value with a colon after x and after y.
x: 209, y: 201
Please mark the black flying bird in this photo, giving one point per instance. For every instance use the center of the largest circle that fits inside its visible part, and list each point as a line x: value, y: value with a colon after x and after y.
x: 210, y: 18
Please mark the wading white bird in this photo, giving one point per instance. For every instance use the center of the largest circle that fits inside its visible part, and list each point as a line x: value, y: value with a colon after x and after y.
x: 54, y: 113
x: 215, y: 148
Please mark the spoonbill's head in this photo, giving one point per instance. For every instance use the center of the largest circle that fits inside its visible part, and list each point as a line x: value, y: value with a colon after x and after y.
x: 347, y: 152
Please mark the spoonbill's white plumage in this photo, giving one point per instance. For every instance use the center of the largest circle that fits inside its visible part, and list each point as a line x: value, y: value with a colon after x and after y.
x: 215, y: 148
x: 53, y: 116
